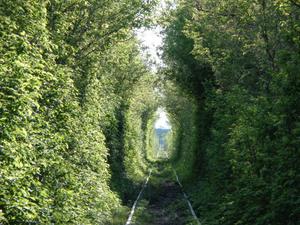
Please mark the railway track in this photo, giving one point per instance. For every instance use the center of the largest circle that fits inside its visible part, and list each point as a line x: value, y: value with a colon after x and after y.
x: 164, y: 204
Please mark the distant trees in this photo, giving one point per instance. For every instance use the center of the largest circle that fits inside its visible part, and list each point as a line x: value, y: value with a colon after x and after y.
x: 240, y: 61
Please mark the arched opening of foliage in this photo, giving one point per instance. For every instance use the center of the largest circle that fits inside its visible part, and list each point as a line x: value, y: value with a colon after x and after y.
x: 84, y: 116
x: 162, y: 134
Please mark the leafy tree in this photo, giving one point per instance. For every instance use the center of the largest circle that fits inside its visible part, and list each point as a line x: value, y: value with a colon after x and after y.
x: 66, y: 70
x: 247, y: 114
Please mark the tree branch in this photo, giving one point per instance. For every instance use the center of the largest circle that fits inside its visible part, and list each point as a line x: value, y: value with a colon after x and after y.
x: 201, y: 9
x: 297, y: 4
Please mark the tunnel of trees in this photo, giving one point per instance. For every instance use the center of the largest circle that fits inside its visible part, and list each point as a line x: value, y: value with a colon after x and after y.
x: 79, y: 101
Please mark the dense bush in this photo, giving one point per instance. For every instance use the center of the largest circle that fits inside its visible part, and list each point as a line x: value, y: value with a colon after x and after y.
x: 67, y: 68
x: 240, y: 61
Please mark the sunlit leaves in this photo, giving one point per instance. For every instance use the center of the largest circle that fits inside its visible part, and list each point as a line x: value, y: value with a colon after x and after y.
x: 63, y: 76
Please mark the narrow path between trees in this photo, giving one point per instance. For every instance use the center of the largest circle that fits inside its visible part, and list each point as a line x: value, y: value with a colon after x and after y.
x: 129, y: 221
x: 162, y: 203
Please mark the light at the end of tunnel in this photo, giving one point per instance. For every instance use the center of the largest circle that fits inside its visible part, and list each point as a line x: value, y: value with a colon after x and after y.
x: 162, y: 122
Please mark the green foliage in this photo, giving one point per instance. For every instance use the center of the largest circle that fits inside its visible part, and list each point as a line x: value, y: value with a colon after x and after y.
x: 182, y: 113
x: 143, y: 104
x: 247, y: 119
x: 78, y: 103
x: 66, y: 70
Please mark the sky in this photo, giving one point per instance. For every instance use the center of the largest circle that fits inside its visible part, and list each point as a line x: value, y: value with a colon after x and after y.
x: 151, y: 40
x: 162, y: 121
